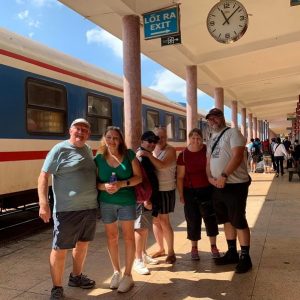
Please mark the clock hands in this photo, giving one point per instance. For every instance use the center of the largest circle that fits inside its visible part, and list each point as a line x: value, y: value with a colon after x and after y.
x: 227, y: 19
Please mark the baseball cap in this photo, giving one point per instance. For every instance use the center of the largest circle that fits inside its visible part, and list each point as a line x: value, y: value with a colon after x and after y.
x: 215, y: 112
x: 150, y: 136
x: 81, y: 121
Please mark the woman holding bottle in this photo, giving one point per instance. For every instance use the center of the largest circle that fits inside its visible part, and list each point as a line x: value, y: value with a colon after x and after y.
x: 118, y: 172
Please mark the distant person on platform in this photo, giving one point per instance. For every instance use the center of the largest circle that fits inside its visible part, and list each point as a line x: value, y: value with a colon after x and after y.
x: 75, y: 205
x: 227, y: 172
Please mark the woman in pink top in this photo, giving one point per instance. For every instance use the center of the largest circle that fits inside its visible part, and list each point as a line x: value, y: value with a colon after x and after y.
x: 195, y: 193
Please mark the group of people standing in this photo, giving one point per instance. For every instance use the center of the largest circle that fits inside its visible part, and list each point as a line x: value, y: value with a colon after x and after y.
x: 272, y: 155
x: 212, y: 182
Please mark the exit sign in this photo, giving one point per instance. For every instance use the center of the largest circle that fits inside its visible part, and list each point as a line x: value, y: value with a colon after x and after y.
x: 161, y: 22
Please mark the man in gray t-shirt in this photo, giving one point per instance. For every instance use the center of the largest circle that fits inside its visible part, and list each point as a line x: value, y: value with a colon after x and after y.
x: 75, y: 204
x: 227, y: 172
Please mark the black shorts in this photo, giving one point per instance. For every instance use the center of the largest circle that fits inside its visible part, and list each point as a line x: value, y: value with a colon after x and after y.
x: 166, y: 202
x: 73, y: 226
x: 230, y: 204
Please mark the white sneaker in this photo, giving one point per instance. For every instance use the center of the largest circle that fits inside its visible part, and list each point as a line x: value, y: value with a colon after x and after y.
x: 115, y: 281
x: 125, y: 284
x: 140, y: 267
x: 149, y: 260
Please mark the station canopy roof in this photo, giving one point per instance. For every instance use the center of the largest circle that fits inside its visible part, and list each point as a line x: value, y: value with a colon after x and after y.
x: 261, y: 70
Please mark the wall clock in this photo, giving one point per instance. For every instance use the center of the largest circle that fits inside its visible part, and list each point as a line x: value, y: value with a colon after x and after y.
x: 227, y: 21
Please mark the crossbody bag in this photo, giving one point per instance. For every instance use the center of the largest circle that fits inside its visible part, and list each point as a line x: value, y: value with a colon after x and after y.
x: 217, y: 141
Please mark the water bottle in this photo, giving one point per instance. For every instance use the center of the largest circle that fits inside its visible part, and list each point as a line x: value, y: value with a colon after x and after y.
x: 113, y: 178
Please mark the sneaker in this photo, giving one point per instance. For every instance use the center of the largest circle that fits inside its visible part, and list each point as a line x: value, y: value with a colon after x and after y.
x: 195, y: 254
x: 125, y: 284
x: 149, y: 260
x: 230, y: 257
x: 215, y: 252
x: 57, y: 293
x: 81, y: 281
x: 244, y: 265
x: 140, y: 268
x: 115, y: 280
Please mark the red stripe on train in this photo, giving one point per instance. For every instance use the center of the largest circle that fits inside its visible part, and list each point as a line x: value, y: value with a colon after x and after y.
x: 33, y: 155
x: 72, y: 74
x: 22, y: 155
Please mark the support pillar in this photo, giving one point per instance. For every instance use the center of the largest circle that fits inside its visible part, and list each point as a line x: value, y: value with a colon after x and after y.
x: 234, y: 119
x: 191, y: 97
x: 267, y: 131
x: 243, y: 125
x: 132, y: 80
x: 254, y: 132
x: 260, y: 129
x: 219, y: 98
x: 250, y: 127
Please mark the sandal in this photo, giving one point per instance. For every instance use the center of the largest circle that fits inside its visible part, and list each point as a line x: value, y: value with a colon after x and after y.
x: 171, y: 259
x: 158, y: 254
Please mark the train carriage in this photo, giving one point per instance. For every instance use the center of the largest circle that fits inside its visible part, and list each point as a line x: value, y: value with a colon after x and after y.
x: 42, y: 91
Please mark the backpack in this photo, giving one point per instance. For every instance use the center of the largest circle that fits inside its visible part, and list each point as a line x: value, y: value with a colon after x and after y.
x: 143, y: 190
x: 255, y: 149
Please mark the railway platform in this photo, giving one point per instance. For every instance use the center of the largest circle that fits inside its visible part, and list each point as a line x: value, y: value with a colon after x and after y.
x: 273, y: 212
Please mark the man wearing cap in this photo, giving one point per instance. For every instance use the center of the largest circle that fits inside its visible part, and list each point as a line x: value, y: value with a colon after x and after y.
x: 75, y: 205
x: 227, y: 172
x: 146, y: 210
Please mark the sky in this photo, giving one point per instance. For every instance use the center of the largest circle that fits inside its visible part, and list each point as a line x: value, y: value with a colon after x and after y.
x: 57, y: 26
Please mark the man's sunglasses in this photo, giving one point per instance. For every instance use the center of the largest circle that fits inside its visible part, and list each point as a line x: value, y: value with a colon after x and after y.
x: 152, y: 141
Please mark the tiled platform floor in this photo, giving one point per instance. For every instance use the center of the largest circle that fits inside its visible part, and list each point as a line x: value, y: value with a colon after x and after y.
x: 274, y: 217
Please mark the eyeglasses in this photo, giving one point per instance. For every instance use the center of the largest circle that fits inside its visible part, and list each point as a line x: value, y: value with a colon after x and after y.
x: 152, y: 141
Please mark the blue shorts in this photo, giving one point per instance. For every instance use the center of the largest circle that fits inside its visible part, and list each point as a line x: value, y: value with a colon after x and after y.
x: 73, y: 226
x: 111, y: 213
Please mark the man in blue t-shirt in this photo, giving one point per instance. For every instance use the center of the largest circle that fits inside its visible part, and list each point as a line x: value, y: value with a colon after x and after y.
x: 75, y: 205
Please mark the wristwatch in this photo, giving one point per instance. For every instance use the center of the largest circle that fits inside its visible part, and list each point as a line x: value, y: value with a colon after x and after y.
x: 127, y: 183
x: 223, y: 174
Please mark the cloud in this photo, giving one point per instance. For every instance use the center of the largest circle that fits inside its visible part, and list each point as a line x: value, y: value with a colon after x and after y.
x: 41, y: 3
x: 167, y: 82
x: 102, y: 37
x: 23, y: 14
x: 31, y: 34
x: 25, y: 17
x: 20, y: 1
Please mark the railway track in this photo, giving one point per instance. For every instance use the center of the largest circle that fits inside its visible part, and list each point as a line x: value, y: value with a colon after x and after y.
x: 19, y: 223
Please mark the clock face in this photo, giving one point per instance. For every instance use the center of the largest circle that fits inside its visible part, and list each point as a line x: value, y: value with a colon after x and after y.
x: 227, y: 21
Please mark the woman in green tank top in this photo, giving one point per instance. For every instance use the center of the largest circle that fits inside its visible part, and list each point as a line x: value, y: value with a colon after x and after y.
x: 117, y: 200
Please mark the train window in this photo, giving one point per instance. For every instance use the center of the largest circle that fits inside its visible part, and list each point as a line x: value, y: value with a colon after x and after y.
x: 169, y: 122
x: 99, y: 113
x: 152, y: 119
x: 182, y: 129
x: 46, y: 107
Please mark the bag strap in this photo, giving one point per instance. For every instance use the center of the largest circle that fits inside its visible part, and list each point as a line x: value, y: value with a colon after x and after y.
x: 217, y: 141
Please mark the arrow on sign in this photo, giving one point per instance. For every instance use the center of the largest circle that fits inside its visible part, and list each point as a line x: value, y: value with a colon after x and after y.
x: 160, y: 32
